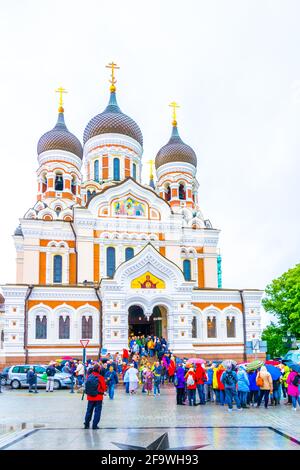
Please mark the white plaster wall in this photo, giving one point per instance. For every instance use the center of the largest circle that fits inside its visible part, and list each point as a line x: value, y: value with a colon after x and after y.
x: 31, y: 262
x: 85, y: 250
x: 210, y: 272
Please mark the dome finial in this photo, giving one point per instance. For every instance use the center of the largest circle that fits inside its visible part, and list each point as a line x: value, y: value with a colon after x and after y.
x: 174, y: 105
x: 113, y: 81
x: 61, y: 90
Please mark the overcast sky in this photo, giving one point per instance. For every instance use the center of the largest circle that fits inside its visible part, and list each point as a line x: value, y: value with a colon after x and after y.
x: 234, y: 68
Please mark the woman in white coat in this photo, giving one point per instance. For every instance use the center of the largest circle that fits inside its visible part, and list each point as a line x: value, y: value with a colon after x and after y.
x: 131, y: 376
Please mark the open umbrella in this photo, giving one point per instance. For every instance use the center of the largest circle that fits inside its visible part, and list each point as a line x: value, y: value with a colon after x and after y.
x: 196, y: 360
x: 274, y: 371
x: 272, y: 362
x: 229, y: 363
x: 294, y: 366
x: 67, y: 358
x: 254, y: 365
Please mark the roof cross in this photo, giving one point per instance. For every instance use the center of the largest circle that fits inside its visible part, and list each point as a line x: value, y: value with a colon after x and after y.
x: 61, y: 90
x: 113, y: 81
x: 174, y: 105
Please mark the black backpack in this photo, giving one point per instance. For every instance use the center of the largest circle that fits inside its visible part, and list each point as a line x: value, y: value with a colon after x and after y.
x: 229, y: 379
x: 296, y: 380
x: 91, y: 385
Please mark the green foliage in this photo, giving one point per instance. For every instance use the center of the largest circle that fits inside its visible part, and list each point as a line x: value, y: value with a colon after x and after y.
x: 283, y: 300
x: 274, y: 334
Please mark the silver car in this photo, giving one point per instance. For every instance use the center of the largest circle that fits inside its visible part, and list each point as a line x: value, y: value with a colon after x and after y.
x: 17, y: 376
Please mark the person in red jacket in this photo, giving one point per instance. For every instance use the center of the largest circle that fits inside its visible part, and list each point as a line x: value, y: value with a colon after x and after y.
x: 190, y: 378
x: 95, y: 400
x: 201, y: 378
x: 221, y: 387
x: 171, y: 369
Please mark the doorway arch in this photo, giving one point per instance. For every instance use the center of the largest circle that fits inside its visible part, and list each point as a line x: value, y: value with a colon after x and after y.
x: 159, y: 318
x: 138, y: 323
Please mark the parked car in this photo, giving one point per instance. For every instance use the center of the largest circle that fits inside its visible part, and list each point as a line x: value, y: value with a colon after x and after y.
x: 4, y: 375
x: 17, y: 376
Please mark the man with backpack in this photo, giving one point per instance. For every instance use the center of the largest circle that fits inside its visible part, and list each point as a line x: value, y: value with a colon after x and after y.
x: 95, y: 387
x: 229, y: 379
x: 190, y: 378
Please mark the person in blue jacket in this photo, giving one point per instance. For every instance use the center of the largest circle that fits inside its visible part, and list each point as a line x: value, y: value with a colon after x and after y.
x: 111, y: 379
x: 254, y: 389
x: 243, y: 386
x: 208, y: 385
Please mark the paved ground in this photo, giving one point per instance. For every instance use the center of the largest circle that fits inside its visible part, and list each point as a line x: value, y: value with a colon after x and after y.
x: 47, y: 421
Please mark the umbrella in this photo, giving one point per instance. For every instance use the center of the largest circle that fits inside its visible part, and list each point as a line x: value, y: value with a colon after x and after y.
x: 294, y: 366
x: 254, y: 365
x: 229, y: 363
x: 272, y: 362
x: 196, y: 360
x: 274, y: 371
x: 67, y: 358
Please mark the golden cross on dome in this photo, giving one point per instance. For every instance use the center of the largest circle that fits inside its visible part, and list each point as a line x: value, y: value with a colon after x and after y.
x: 61, y: 90
x: 174, y: 105
x: 151, y: 163
x: 113, y: 81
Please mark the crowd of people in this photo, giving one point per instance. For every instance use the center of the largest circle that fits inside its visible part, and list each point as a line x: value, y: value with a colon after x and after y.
x: 149, y: 365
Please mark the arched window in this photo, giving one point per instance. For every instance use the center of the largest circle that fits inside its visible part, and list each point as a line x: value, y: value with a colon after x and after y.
x: 41, y: 327
x: 181, y: 191
x: 230, y: 326
x: 129, y: 253
x: 187, y: 270
x: 211, y: 327
x: 116, y: 169
x: 44, y: 183
x: 58, y: 210
x: 134, y: 171
x: 168, y: 193
x: 87, y: 327
x: 57, y: 268
x: 96, y: 170
x: 73, y: 185
x: 110, y: 261
x: 64, y: 327
x: 59, y: 182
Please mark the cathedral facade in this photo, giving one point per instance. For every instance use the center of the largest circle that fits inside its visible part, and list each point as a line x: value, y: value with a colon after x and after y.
x: 101, y: 255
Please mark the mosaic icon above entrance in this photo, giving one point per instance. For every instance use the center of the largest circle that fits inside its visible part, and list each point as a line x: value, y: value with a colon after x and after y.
x: 147, y: 281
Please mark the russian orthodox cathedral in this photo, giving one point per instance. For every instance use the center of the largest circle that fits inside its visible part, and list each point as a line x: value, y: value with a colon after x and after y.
x: 102, y: 255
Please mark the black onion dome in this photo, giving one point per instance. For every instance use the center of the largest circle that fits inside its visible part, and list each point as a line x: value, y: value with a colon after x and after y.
x: 175, y: 151
x: 59, y: 138
x: 112, y: 121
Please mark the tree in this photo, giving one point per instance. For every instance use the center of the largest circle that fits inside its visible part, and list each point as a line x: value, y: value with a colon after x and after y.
x: 274, y: 334
x: 283, y: 301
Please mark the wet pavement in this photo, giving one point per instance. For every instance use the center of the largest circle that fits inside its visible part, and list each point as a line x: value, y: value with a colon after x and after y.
x: 54, y: 421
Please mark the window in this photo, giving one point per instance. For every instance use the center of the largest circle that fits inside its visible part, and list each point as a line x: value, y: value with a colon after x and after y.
x: 96, y: 170
x: 211, y: 327
x: 110, y: 261
x: 129, y: 253
x: 87, y: 327
x: 73, y: 185
x: 187, y: 270
x: 181, y: 191
x: 168, y: 193
x: 134, y: 171
x: 58, y: 210
x: 230, y: 325
x: 59, y: 182
x: 64, y: 327
x: 116, y: 169
x: 57, y: 268
x: 41, y: 327
x: 194, y: 327
x: 44, y: 183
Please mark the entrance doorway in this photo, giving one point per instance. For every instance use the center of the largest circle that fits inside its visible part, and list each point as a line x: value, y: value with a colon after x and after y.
x: 138, y: 323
